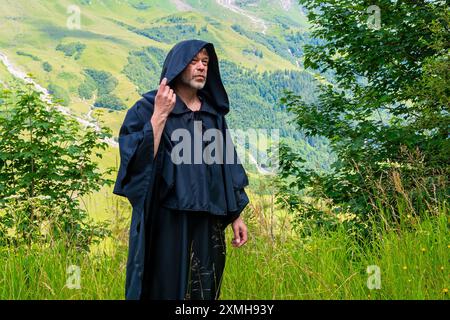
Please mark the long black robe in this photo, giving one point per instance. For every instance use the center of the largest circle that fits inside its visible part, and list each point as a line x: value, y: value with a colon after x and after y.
x: 180, y: 211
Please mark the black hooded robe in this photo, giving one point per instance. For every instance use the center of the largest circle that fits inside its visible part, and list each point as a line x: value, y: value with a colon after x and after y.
x: 180, y: 211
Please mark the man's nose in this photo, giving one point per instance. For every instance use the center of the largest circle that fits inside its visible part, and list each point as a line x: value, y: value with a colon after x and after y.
x: 200, y: 66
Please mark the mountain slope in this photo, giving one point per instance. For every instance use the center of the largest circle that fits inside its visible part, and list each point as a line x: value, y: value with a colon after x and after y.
x: 118, y: 51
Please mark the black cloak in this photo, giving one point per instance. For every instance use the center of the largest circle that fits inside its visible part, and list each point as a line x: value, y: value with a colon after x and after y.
x: 179, y: 211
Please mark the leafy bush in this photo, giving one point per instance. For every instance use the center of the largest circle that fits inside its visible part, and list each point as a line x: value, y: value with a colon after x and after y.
x: 47, y: 66
x: 45, y: 169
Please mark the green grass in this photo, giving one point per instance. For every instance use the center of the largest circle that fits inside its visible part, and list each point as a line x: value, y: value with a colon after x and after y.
x: 413, y: 264
x: 276, y: 263
x: 43, y: 274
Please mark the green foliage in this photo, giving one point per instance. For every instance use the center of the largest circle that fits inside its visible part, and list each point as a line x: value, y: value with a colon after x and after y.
x: 288, y: 47
x: 73, y: 49
x: 59, y: 93
x: 387, y: 128
x: 29, y: 55
x: 144, y: 68
x: 323, y: 265
x: 104, y: 80
x: 42, y: 273
x: 86, y: 89
x: 109, y: 101
x: 45, y: 168
x: 170, y: 33
x: 47, y: 66
x: 253, y: 51
x: 333, y: 264
x: 104, y: 83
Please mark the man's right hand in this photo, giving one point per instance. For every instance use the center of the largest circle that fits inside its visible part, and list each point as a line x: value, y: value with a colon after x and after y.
x: 164, y: 103
x: 164, y: 100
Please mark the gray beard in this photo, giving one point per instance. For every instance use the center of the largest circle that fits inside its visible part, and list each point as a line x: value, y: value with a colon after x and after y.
x: 193, y: 83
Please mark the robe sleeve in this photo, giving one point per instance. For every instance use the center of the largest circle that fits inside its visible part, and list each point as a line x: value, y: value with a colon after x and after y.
x: 136, y: 147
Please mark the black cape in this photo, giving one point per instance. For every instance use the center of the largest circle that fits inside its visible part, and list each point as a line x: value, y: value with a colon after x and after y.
x: 196, y: 201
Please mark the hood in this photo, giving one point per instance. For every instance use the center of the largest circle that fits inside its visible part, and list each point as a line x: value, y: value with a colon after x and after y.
x: 177, y: 60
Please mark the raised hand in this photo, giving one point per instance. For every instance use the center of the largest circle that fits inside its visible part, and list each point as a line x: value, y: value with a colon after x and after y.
x: 164, y: 100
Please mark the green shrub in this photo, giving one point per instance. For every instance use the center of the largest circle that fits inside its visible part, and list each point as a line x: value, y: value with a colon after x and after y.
x: 29, y: 55
x: 45, y: 169
x: 109, y: 101
x: 104, y: 80
x: 47, y: 66
x: 74, y: 49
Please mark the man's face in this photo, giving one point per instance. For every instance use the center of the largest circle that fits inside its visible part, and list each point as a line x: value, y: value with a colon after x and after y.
x: 194, y: 74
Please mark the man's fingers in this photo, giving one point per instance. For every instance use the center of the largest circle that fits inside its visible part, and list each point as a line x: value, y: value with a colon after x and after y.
x: 166, y: 90
x: 244, y: 236
x: 240, y: 234
x: 236, y: 234
x: 162, y: 85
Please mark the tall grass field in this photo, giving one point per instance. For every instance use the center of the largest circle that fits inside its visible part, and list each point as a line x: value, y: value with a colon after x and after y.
x: 408, y: 262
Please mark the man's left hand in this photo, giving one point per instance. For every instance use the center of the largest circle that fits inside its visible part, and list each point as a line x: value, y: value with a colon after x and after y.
x: 240, y: 233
